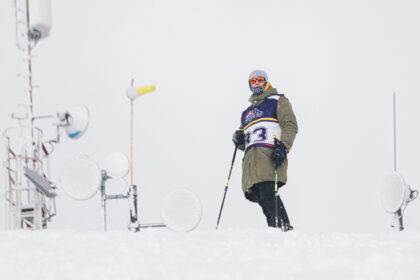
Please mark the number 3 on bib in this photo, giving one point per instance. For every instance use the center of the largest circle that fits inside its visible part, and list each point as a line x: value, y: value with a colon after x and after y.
x: 259, y: 134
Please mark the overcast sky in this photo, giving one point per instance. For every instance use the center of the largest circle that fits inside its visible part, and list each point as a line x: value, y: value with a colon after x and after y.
x: 338, y: 62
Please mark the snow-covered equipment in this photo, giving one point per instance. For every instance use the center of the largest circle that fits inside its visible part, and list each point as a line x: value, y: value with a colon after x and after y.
x: 39, y: 18
x: 29, y: 193
x: 76, y: 121
x: 226, y: 187
x: 48, y: 189
x: 81, y: 178
x: 43, y: 184
x: 396, y: 194
x: 181, y: 210
x: 117, y: 165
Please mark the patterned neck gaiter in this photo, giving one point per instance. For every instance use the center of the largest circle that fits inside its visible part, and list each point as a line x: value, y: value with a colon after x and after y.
x: 257, y: 90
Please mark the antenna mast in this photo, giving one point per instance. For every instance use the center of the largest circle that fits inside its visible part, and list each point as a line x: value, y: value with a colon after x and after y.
x: 398, y: 214
x: 28, y: 207
x: 395, y: 135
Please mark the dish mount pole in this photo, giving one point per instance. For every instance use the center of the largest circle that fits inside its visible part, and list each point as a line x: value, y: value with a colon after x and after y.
x: 398, y: 214
x: 395, y: 135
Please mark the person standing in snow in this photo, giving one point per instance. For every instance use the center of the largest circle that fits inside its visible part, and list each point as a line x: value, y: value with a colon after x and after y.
x: 270, y: 114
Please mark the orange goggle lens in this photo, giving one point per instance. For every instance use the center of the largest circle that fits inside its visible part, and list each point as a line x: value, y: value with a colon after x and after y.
x: 254, y: 80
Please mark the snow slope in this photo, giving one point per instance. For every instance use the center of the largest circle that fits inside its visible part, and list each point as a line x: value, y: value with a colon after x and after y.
x: 222, y: 254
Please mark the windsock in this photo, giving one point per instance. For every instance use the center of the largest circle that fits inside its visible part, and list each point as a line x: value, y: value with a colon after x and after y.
x: 134, y: 92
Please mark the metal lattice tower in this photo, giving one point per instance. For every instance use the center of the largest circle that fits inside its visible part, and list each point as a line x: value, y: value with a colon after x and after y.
x: 28, y: 207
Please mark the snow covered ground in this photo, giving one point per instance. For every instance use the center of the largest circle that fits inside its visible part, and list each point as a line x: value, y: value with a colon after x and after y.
x: 210, y: 254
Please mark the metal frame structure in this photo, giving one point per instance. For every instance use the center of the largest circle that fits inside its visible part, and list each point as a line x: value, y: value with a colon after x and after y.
x: 131, y: 196
x: 28, y: 207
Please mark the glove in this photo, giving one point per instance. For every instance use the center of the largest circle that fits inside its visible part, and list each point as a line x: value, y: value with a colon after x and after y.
x: 238, y: 138
x: 279, y: 154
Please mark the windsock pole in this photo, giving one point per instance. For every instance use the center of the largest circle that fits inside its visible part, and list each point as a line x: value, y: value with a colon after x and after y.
x: 132, y: 193
x: 133, y: 93
x: 132, y: 137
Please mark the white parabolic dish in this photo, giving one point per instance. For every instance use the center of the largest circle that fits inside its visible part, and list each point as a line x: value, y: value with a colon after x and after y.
x: 394, y: 193
x: 181, y: 210
x: 117, y: 165
x: 79, y: 121
x: 81, y: 178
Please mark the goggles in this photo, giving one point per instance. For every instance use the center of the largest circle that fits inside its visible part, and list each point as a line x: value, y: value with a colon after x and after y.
x: 258, y: 79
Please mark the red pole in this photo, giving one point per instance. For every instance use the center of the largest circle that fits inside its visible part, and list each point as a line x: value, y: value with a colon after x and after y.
x: 132, y: 137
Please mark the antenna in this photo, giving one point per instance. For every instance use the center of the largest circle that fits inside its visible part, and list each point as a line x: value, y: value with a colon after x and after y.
x: 181, y: 210
x: 29, y: 194
x: 396, y: 194
x: 398, y: 213
x: 395, y: 134
x: 82, y: 178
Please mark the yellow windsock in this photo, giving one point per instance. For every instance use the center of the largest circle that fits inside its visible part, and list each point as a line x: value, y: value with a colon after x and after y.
x: 145, y: 89
x: 134, y: 92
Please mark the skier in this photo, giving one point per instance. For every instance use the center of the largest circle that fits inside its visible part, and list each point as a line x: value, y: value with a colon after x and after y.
x: 269, y: 115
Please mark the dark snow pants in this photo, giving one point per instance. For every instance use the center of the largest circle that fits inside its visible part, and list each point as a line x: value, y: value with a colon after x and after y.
x: 263, y: 194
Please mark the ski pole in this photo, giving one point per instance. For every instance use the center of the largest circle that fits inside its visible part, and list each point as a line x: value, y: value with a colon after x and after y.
x: 276, y: 210
x: 227, y: 184
x: 276, y: 195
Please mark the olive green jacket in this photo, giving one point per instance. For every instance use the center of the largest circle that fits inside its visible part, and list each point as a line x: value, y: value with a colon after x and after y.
x: 257, y: 165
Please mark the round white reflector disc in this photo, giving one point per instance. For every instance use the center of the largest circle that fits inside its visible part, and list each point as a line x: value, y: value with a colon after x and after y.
x: 117, y: 165
x: 393, y: 193
x: 81, y: 178
x: 181, y: 210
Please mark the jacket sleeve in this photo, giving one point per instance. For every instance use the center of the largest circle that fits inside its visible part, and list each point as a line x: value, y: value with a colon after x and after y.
x: 287, y: 121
